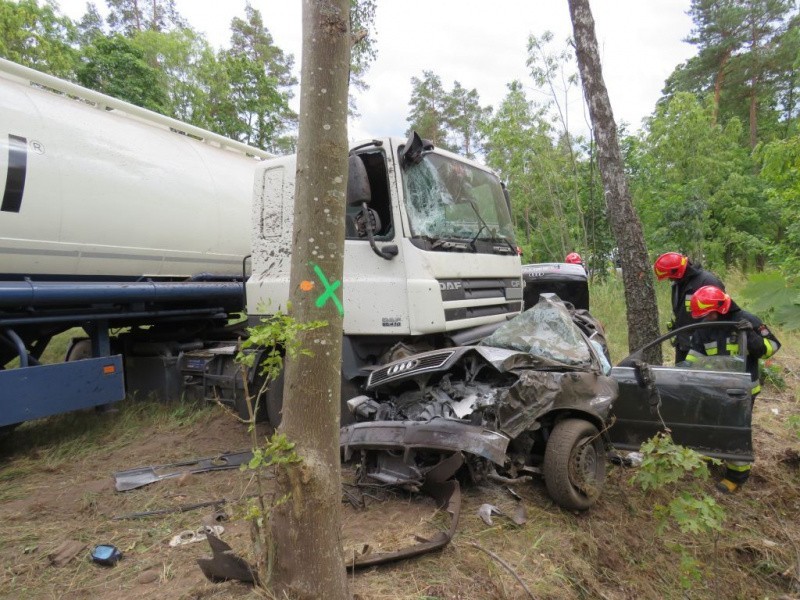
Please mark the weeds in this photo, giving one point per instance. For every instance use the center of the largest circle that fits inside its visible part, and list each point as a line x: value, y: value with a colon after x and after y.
x: 793, y: 424
x: 275, y: 338
x: 692, y: 511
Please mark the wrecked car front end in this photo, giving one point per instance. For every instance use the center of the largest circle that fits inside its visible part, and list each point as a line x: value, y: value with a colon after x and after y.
x: 502, y: 404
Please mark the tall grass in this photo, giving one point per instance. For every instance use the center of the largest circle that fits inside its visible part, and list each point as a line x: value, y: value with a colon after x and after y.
x: 607, y: 303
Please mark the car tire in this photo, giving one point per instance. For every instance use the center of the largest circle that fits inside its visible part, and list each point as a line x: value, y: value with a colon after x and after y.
x: 574, y: 464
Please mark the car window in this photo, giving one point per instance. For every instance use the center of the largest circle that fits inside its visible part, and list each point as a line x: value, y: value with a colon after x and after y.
x: 730, y: 364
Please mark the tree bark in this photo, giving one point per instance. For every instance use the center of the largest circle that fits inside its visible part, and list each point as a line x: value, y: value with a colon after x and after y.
x: 637, y: 276
x: 718, y: 81
x: 308, y: 561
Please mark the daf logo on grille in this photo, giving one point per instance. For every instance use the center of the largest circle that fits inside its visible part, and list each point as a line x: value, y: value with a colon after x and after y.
x: 449, y: 285
x: 402, y: 367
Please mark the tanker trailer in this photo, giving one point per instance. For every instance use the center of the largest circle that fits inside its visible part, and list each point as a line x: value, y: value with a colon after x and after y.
x: 112, y: 216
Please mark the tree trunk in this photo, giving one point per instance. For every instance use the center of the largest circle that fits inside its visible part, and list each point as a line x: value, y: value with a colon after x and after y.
x: 308, y: 561
x: 718, y: 81
x: 637, y: 276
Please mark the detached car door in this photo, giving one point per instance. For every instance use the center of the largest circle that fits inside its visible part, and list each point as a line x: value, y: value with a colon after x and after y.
x: 707, y: 408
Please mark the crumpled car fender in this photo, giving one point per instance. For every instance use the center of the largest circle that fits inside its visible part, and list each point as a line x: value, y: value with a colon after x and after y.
x: 538, y: 393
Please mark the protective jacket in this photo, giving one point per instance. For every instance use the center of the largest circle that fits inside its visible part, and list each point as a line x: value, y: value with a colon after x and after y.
x: 723, y: 341
x: 682, y: 289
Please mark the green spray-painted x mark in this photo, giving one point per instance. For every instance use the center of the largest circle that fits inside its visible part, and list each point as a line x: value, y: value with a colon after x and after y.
x: 330, y: 291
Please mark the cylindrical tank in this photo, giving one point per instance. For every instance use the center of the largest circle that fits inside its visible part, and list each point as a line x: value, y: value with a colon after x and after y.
x: 96, y: 188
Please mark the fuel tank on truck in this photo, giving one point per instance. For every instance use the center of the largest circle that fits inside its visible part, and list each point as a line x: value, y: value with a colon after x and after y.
x: 96, y: 188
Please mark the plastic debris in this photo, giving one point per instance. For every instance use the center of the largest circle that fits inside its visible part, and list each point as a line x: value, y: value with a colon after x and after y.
x: 106, y: 554
x: 189, y: 537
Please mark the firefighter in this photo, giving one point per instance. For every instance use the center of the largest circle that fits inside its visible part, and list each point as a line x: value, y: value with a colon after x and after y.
x: 686, y: 280
x: 574, y: 258
x: 711, y: 303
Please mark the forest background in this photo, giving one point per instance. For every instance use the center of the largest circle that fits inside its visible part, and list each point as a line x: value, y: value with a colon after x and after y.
x: 714, y: 170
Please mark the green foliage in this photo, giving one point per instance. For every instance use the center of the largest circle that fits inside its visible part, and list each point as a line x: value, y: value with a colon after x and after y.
x: 131, y: 16
x: 278, y: 451
x: 793, y: 424
x: 113, y: 65
x: 694, y: 186
x: 666, y: 464
x: 780, y: 174
x: 692, y: 514
x: 690, y: 569
x: 772, y: 374
x: 428, y: 109
x: 520, y: 146
x: 774, y: 298
x: 277, y: 336
x: 259, y: 78
x: 744, y: 63
x: 147, y: 54
x: 365, y: 49
x: 37, y: 36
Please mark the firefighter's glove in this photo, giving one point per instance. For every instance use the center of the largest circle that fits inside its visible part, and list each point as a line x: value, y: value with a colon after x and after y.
x: 744, y: 325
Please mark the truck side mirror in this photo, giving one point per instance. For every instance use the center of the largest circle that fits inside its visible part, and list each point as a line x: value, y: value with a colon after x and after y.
x: 358, y: 188
x: 413, y: 150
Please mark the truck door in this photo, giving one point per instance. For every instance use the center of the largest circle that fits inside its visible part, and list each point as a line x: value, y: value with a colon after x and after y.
x: 374, y: 287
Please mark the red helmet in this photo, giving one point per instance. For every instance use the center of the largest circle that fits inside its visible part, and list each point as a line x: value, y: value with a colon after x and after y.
x: 708, y: 299
x: 670, y: 266
x: 574, y: 258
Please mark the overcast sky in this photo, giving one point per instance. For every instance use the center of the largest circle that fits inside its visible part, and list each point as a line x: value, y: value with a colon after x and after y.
x: 481, y: 44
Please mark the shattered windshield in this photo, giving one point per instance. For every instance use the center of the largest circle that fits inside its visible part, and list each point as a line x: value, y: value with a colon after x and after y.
x: 446, y: 198
x: 546, y: 331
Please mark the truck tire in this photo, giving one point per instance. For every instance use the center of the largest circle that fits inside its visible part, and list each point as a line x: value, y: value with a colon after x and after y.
x: 274, y: 402
x: 574, y: 464
x: 240, y: 402
x: 79, y: 349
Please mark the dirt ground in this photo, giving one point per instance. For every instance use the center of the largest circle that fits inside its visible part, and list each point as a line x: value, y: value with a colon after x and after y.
x: 64, y: 491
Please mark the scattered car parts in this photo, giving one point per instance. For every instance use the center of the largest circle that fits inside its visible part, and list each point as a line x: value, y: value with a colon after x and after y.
x: 142, y: 476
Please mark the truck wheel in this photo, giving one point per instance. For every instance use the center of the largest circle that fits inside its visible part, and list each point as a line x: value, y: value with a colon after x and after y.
x: 79, y: 349
x: 274, y: 402
x: 240, y: 403
x: 574, y: 464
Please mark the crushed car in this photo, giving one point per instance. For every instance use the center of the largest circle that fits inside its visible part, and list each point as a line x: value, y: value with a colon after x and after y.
x: 530, y: 399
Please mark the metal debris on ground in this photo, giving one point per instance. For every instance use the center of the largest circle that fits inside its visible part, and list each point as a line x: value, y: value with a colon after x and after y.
x: 518, y: 517
x: 139, y: 477
x: 166, y: 511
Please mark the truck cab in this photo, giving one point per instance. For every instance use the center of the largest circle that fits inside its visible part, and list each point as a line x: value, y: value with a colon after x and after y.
x: 429, y: 251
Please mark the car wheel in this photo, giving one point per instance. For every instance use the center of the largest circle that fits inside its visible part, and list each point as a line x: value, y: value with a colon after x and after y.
x: 574, y: 464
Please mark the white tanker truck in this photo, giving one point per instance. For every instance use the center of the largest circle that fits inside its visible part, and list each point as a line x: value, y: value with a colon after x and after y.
x: 137, y: 228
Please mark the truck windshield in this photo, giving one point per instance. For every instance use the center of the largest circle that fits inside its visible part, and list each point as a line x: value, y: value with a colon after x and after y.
x: 447, y: 199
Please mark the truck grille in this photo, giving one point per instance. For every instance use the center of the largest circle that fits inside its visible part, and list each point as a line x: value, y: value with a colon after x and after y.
x: 492, y: 297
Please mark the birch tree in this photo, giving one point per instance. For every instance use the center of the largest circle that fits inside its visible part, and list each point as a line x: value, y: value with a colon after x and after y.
x: 637, y: 274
